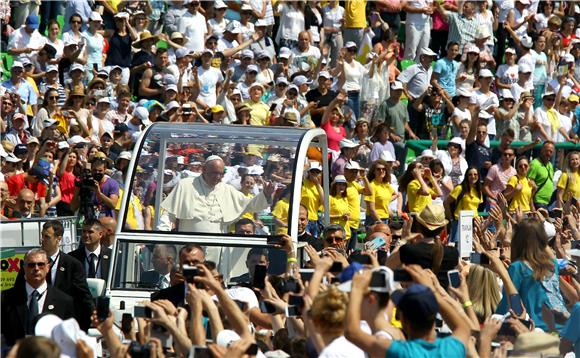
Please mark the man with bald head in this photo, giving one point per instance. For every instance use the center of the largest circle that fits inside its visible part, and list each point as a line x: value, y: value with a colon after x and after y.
x: 205, y: 204
x: 110, y: 225
x: 24, y: 207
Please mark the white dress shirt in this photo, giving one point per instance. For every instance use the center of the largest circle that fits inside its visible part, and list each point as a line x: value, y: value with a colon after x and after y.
x: 41, y: 290
x: 53, y: 269
x: 97, y: 262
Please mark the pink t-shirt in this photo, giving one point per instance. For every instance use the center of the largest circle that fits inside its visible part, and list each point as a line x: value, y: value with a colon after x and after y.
x: 499, y: 178
x: 333, y: 136
x: 438, y: 22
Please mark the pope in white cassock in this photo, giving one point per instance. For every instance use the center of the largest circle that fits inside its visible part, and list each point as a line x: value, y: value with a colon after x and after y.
x: 206, y: 205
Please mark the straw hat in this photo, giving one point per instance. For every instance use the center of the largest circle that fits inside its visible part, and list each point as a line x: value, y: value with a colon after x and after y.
x: 145, y: 35
x: 77, y: 91
x: 432, y: 217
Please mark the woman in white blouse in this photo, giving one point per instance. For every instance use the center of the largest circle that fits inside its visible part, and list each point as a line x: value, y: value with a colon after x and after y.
x: 291, y: 23
x: 218, y: 23
x: 352, y: 76
x: 333, y: 18
x: 74, y: 34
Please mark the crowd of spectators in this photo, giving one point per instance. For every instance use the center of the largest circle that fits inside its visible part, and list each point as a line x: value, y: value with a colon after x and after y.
x: 492, y: 87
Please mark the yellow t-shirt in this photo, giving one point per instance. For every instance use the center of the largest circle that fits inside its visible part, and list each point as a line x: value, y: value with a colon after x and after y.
x: 339, y: 206
x: 382, y: 195
x: 310, y: 199
x: 260, y: 113
x: 353, y: 191
x: 572, y: 188
x: 280, y: 212
x: 521, y: 198
x: 131, y: 219
x: 469, y: 201
x: 418, y: 202
x: 354, y: 14
x: 249, y: 215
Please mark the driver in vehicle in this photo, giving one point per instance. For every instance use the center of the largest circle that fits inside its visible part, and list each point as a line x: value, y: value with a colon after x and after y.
x: 163, y: 261
x: 191, y: 255
x: 206, y: 204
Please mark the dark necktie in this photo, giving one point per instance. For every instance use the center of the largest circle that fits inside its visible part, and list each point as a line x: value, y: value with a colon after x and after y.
x: 92, y: 271
x: 49, y: 276
x: 32, y: 311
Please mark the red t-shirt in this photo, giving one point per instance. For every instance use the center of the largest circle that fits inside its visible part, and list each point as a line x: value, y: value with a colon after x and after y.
x: 333, y: 136
x: 16, y: 183
x: 67, y: 187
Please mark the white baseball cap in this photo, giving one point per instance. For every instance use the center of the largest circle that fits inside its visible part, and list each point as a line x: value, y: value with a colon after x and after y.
x: 352, y: 165
x: 426, y: 51
x: 347, y: 143
x: 387, y: 156
x: 95, y: 16
x: 396, y: 85
x: 524, y: 68
x: 485, y: 73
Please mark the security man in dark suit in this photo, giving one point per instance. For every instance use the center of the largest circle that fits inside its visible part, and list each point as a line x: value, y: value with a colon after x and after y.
x: 66, y: 273
x: 192, y: 255
x: 94, y: 258
x: 22, y: 305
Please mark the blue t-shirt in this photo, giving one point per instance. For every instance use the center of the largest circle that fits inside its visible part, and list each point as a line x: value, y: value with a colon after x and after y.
x: 416, y: 348
x: 571, y: 330
x: 447, y: 70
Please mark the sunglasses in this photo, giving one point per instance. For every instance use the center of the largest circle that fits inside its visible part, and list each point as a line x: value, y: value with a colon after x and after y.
x: 382, y: 169
x: 331, y: 240
x: 508, y: 154
x: 523, y: 166
x: 34, y: 264
x: 76, y: 22
x: 551, y: 99
x: 53, y: 97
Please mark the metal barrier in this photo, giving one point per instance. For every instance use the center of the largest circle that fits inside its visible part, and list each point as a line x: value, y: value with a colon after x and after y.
x: 419, y: 145
x: 26, y: 233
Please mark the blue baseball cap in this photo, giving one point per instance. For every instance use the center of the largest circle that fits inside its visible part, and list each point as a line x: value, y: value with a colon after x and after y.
x: 417, y: 302
x: 33, y: 21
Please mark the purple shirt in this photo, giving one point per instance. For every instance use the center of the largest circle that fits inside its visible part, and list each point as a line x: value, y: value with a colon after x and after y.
x: 110, y: 187
x: 379, y: 148
x: 338, y: 166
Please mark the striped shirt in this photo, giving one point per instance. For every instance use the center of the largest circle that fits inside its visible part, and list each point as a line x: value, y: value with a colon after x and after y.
x: 461, y: 29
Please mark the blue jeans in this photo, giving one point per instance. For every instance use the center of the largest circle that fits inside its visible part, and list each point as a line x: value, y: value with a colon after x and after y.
x: 353, y: 102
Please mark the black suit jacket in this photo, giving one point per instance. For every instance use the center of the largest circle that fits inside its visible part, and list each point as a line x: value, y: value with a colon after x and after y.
x: 70, y: 278
x: 175, y: 294
x: 150, y: 279
x: 15, y: 310
x: 104, y: 261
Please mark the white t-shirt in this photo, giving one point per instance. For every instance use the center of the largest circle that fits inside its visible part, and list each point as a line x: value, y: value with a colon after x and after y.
x: 218, y: 28
x: 354, y: 73
x: 462, y: 114
x: 566, y: 123
x: 224, y: 44
x: 208, y: 80
x: 418, y: 19
x: 194, y: 28
x: 247, y: 31
x: 341, y: 347
x: 541, y: 117
x: 332, y: 17
x: 310, y: 56
x: 291, y: 23
x: 486, y: 101
x: 507, y: 74
x: 528, y: 59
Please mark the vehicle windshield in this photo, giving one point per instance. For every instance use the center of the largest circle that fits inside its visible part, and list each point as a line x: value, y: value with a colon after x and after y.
x: 157, y: 265
x: 205, y: 179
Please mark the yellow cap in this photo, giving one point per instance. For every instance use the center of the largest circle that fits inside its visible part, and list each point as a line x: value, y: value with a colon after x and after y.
x: 217, y: 108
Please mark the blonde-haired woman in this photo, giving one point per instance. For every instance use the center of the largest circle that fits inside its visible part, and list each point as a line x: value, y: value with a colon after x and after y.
x: 328, y: 314
x: 569, y: 183
x: 483, y: 291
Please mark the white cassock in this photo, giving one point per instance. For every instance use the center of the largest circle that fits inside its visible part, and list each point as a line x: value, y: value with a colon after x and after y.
x: 200, y: 208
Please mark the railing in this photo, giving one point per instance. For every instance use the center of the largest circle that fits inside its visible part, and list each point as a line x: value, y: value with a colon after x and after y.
x: 25, y: 233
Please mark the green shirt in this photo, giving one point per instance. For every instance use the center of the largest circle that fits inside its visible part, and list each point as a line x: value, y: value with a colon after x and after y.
x: 396, y: 115
x: 543, y: 176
